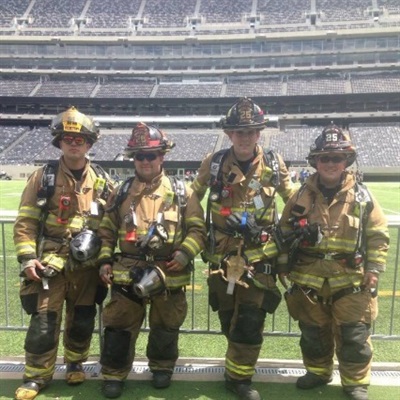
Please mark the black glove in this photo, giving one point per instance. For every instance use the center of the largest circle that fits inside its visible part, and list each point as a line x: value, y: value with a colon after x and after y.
x: 155, y: 238
x: 48, y: 272
x: 234, y: 222
x: 312, y: 235
x: 252, y: 231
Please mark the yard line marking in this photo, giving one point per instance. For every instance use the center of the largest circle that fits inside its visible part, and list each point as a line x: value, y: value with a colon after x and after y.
x: 391, y: 211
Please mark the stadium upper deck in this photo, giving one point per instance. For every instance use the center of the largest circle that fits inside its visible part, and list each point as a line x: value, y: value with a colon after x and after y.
x: 194, y: 17
x: 305, y: 61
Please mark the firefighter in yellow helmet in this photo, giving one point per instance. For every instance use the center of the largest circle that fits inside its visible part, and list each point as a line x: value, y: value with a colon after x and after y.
x: 338, y: 240
x: 241, y: 213
x: 56, y: 244
x: 158, y: 225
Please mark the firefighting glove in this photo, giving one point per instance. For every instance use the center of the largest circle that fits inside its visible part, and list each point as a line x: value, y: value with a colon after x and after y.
x: 48, y: 272
x: 252, y: 231
x: 154, y: 239
x: 312, y: 235
x: 234, y: 222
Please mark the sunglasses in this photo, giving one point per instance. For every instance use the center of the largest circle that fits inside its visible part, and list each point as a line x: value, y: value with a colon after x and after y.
x: 146, y: 156
x: 334, y: 159
x: 78, y: 140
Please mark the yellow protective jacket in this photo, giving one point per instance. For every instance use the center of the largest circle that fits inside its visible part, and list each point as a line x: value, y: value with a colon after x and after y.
x: 241, y: 192
x: 340, y: 224
x: 54, y: 243
x: 150, y: 200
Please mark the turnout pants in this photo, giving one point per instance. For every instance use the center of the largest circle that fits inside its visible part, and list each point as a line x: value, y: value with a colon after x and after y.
x: 242, y: 316
x: 343, y: 325
x: 78, y: 290
x: 123, y: 317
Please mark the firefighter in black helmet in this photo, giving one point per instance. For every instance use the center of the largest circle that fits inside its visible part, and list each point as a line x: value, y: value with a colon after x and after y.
x: 241, y: 249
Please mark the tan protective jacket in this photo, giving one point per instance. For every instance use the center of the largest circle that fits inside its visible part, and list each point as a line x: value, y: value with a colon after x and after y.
x: 340, y: 224
x: 242, y: 194
x: 149, y: 200
x: 54, y: 245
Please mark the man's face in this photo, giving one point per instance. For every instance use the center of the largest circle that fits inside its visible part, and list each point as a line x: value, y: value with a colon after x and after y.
x: 74, y: 147
x: 244, y: 142
x: 148, y: 165
x: 330, y: 168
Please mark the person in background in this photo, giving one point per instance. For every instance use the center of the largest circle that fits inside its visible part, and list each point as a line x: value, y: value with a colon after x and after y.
x: 158, y: 224
x: 338, y: 238
x: 56, y: 244
x: 241, y: 250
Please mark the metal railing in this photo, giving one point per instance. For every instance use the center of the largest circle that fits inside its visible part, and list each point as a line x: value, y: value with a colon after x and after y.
x: 200, y: 317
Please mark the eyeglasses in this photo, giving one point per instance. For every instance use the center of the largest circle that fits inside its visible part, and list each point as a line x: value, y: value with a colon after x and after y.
x: 78, y: 140
x: 146, y: 156
x: 334, y: 159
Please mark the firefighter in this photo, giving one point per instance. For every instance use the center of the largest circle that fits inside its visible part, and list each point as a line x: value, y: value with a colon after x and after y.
x: 56, y: 244
x: 158, y: 225
x: 337, y: 244
x: 241, y: 213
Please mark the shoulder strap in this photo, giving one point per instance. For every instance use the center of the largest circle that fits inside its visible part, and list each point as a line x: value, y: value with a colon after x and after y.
x: 47, y: 184
x: 365, y: 206
x: 99, y: 171
x: 217, y: 161
x: 122, y: 194
x: 271, y: 159
x: 179, y: 188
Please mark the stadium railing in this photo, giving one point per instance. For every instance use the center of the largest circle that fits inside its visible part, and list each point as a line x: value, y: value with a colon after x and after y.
x: 200, y: 318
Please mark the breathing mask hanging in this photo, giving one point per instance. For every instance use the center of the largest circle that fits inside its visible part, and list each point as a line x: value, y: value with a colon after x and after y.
x: 147, y: 281
x: 85, y: 245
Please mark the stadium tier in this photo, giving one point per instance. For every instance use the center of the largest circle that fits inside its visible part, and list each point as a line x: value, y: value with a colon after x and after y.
x: 21, y: 145
x: 147, y: 17
x: 182, y: 64
x: 283, y: 85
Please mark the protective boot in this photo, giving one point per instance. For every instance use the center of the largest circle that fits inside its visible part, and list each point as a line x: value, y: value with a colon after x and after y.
x: 75, y: 374
x: 242, y: 389
x: 161, y: 379
x: 112, y: 389
x: 27, y: 391
x: 356, y: 392
x: 310, y: 381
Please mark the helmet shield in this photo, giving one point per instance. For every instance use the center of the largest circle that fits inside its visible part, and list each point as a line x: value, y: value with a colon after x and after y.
x: 332, y: 140
x: 75, y: 123
x: 147, y: 138
x: 147, y: 282
x: 85, y: 245
x: 244, y: 114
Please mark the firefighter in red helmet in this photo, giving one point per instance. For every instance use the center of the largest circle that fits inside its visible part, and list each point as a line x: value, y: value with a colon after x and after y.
x: 158, y: 225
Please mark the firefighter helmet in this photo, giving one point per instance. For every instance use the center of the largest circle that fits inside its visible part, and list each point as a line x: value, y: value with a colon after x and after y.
x: 74, y: 122
x: 244, y: 114
x: 332, y: 140
x: 85, y: 245
x: 147, y: 138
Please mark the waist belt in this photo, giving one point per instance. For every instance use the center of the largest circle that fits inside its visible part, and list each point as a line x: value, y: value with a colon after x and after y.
x: 144, y: 257
x: 227, y: 232
x: 327, y: 256
x: 335, y: 297
x: 261, y: 267
x: 56, y: 239
x: 128, y: 292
